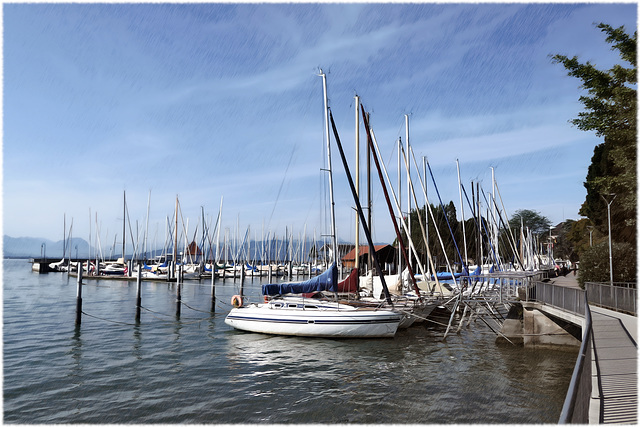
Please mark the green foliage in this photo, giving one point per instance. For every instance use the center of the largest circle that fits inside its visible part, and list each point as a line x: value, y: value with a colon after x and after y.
x: 611, y: 112
x: 594, y: 263
x: 536, y: 223
x: 582, y: 235
x: 563, y: 247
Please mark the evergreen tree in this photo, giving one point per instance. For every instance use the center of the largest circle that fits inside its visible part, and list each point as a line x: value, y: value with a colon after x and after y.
x: 610, y: 111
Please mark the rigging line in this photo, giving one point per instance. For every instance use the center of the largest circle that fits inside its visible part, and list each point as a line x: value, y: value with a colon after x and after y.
x: 404, y: 253
x: 447, y: 219
x: 509, y: 235
x: 482, y: 223
x: 419, y: 317
x: 372, y: 252
x: 495, y: 220
x: 400, y: 217
x: 282, y: 183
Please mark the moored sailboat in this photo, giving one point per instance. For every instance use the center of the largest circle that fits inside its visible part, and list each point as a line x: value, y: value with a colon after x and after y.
x: 290, y: 313
x: 300, y: 316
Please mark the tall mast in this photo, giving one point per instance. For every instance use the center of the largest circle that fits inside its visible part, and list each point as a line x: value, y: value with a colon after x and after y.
x: 367, y: 233
x: 175, y: 237
x: 493, y: 208
x: 334, y: 241
x: 426, y: 201
x: 64, y: 236
x: 357, y: 261
x: 464, y: 234
x: 124, y: 220
x: 146, y: 228
x: 386, y: 196
x: 89, y: 260
x: 406, y: 125
x: 400, y: 244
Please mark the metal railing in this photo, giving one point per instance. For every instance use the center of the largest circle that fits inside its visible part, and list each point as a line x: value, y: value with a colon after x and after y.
x: 576, y: 404
x: 619, y: 297
x: 570, y: 299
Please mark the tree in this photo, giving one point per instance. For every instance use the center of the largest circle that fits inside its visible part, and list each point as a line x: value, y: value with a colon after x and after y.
x: 563, y: 246
x: 533, y: 220
x: 610, y: 111
x: 583, y: 235
x: 594, y: 264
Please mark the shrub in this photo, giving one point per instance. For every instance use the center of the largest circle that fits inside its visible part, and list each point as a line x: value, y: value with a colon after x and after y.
x: 594, y: 263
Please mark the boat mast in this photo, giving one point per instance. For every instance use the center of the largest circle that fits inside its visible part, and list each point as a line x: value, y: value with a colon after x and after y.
x: 493, y: 208
x: 357, y: 260
x: 124, y: 220
x: 372, y: 252
x: 400, y: 244
x: 64, y: 237
x: 386, y: 196
x: 408, y: 165
x: 146, y: 228
x: 426, y: 208
x: 175, y: 239
x: 464, y: 234
x: 369, y: 202
x: 334, y: 241
x: 89, y: 259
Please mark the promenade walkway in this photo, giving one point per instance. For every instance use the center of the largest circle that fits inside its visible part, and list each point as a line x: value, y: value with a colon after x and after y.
x: 614, y: 393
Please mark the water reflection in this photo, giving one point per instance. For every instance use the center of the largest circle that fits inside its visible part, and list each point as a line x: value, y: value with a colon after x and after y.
x: 75, y: 350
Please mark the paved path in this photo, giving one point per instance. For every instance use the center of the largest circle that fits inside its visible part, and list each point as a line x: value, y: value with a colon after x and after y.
x: 570, y: 281
x: 614, y: 394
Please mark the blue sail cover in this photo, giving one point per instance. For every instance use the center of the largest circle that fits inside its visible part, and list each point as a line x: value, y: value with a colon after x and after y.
x: 327, y: 281
x: 445, y: 275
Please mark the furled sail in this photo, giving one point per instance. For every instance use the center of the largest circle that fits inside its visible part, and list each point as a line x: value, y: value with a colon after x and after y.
x: 327, y: 281
x: 350, y: 284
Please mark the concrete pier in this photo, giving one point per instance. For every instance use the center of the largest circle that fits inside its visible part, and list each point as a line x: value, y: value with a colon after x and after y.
x: 538, y: 324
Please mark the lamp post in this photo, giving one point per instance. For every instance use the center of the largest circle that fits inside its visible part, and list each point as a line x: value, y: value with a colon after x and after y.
x: 609, y: 222
x: 590, y: 228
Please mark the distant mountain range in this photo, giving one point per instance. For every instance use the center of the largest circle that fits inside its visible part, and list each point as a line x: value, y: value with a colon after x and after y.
x: 33, y: 247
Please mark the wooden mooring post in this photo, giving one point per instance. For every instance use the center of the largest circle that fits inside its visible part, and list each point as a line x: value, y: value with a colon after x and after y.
x: 79, y: 296
x: 138, y: 293
x: 179, y: 293
x: 213, y: 287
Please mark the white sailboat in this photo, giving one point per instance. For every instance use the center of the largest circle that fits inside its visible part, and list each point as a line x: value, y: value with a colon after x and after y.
x: 291, y: 313
x: 300, y: 316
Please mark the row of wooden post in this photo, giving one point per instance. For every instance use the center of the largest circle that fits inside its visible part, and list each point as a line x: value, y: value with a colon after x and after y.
x: 179, y: 279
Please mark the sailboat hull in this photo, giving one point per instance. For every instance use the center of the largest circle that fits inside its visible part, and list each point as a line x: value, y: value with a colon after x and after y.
x: 314, y: 319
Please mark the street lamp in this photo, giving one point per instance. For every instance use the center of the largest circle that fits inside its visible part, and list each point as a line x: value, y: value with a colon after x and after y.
x: 609, y: 221
x: 590, y: 228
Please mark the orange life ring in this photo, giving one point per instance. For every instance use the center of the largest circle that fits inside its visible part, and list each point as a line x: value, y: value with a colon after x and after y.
x: 236, y: 301
x: 266, y: 299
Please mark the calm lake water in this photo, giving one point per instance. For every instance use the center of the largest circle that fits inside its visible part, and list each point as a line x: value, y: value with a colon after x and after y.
x: 196, y: 369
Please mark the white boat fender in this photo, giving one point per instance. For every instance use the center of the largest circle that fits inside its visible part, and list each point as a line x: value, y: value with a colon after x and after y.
x: 236, y: 301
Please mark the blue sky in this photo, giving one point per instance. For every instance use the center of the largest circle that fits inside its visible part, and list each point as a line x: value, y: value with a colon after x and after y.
x: 204, y: 101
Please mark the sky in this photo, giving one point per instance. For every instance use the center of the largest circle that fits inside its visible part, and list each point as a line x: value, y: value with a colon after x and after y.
x: 222, y: 104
